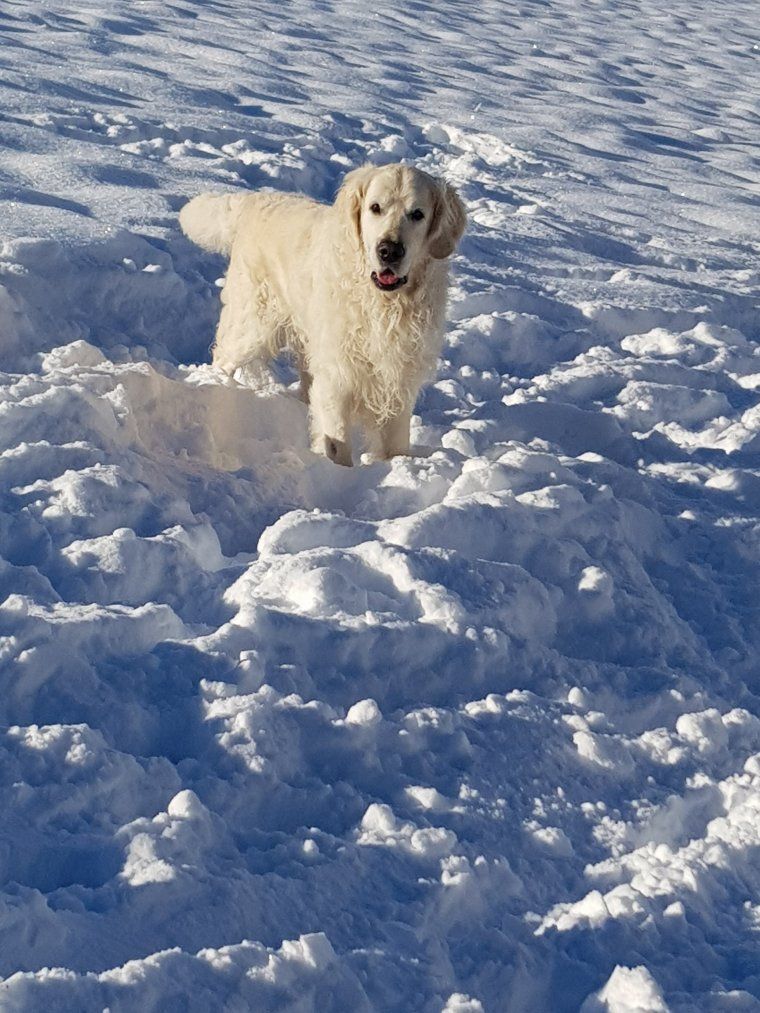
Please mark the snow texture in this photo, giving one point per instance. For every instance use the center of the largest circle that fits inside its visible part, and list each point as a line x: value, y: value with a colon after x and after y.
x: 476, y: 730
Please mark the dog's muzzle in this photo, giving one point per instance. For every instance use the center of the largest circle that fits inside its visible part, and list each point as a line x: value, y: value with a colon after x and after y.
x: 387, y: 281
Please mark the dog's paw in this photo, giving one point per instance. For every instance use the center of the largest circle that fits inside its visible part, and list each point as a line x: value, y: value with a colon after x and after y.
x: 338, y: 451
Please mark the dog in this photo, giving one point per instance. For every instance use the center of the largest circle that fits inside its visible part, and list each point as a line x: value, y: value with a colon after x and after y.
x: 355, y: 291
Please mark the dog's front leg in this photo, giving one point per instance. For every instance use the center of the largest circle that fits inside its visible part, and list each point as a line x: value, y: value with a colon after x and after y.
x: 394, y: 435
x: 330, y: 422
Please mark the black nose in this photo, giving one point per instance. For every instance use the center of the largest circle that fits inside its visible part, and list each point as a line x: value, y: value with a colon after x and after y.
x: 390, y: 252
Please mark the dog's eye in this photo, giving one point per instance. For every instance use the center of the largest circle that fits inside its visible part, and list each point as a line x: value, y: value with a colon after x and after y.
x: 375, y: 208
x: 417, y: 215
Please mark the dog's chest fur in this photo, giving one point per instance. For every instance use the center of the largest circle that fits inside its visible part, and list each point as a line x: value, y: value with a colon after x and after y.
x: 390, y: 342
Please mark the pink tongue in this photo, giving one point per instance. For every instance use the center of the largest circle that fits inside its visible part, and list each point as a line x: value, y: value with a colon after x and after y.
x: 388, y: 277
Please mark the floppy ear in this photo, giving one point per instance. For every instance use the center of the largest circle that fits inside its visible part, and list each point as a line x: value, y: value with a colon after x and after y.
x: 348, y: 201
x: 448, y: 224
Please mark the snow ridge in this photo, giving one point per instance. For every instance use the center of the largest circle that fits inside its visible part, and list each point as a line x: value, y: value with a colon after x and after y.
x: 473, y: 730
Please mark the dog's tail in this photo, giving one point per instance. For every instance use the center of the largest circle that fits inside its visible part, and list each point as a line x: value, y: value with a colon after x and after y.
x: 210, y: 220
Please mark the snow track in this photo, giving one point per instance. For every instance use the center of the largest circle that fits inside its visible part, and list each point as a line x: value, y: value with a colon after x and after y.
x: 476, y: 730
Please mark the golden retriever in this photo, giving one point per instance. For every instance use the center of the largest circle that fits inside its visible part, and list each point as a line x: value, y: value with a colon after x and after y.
x: 356, y: 291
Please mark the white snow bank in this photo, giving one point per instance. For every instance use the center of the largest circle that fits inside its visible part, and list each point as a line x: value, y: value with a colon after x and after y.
x: 485, y: 717
x: 302, y: 974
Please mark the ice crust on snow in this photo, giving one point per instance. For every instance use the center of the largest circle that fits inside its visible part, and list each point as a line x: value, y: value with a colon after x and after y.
x: 473, y: 730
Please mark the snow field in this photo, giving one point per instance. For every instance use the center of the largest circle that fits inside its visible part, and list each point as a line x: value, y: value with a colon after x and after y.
x: 472, y: 730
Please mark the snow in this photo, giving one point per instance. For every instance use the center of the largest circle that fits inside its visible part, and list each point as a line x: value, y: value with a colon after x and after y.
x: 629, y: 990
x: 474, y: 730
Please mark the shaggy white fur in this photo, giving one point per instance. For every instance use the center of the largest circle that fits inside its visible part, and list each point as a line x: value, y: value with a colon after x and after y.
x: 356, y: 291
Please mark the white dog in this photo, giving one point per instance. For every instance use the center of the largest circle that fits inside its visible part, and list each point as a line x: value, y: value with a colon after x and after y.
x: 355, y: 291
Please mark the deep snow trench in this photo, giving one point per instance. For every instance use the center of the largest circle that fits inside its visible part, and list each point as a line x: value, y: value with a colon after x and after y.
x: 476, y: 730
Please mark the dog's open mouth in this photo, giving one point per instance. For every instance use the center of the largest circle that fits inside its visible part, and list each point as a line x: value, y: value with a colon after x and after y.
x: 387, y: 280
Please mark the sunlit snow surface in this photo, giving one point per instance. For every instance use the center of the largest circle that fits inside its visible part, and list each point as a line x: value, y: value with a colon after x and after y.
x: 473, y: 731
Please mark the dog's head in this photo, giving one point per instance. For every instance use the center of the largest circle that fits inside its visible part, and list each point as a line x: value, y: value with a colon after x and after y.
x: 401, y: 217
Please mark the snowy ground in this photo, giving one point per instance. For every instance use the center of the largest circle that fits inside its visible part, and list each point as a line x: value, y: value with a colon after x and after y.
x: 475, y: 730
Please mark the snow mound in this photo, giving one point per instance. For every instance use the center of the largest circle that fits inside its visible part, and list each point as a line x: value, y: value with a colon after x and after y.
x: 471, y: 730
x: 302, y: 974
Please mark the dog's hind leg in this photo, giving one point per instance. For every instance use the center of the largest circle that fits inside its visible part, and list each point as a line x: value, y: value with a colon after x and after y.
x: 248, y: 328
x: 306, y: 379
